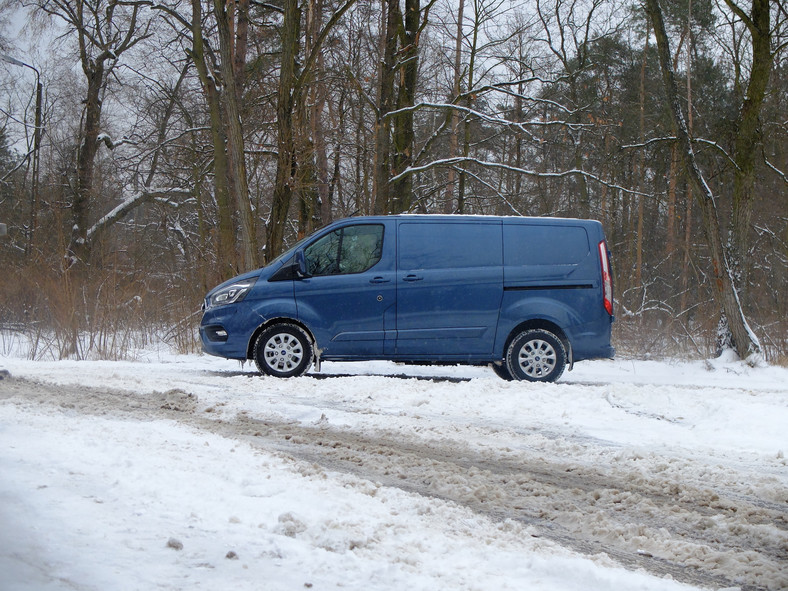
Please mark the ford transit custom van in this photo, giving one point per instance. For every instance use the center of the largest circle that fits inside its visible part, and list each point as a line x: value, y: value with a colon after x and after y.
x: 529, y: 296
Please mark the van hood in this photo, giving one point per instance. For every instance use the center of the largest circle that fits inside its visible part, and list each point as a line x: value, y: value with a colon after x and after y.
x: 236, y: 279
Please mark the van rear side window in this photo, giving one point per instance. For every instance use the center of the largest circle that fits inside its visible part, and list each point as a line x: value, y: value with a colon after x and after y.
x: 525, y: 244
x: 449, y: 246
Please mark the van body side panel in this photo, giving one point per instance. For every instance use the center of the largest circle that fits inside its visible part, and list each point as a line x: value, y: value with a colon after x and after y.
x: 561, y: 307
x: 539, y: 254
x: 449, y: 287
x: 552, y: 273
x: 591, y: 340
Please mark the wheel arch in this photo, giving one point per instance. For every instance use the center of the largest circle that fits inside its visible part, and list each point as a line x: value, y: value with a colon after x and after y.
x: 272, y: 322
x: 543, y: 324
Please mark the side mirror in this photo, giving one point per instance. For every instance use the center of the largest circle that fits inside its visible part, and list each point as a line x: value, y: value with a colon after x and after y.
x: 300, y: 265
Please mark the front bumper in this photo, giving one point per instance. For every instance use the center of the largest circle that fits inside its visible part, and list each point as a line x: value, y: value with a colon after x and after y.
x: 223, y: 334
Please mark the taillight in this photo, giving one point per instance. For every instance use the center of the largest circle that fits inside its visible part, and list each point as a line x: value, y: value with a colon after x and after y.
x: 607, y: 280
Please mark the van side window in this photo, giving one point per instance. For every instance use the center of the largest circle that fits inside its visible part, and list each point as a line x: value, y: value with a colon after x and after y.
x: 449, y: 246
x: 352, y: 249
x: 531, y: 244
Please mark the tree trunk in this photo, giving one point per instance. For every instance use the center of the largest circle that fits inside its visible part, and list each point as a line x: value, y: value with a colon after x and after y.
x: 466, y: 140
x: 236, y: 159
x: 686, y: 259
x: 240, y: 47
x: 578, y: 141
x: 670, y: 239
x: 642, y: 167
x: 748, y: 135
x: 448, y: 206
x: 315, y: 156
x: 402, y: 190
x: 744, y: 340
x: 285, y: 160
x: 86, y: 156
x: 226, y: 255
x: 382, y: 190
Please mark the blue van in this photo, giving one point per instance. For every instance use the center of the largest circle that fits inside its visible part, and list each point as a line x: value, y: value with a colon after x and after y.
x: 530, y: 296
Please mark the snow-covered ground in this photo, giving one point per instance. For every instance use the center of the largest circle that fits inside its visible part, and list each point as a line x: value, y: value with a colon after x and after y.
x: 192, y: 472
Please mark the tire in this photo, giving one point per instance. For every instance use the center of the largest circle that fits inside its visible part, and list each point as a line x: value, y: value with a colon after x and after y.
x: 536, y: 355
x: 502, y: 371
x: 283, y: 351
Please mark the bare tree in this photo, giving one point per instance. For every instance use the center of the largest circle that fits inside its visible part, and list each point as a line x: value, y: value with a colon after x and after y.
x: 390, y: 19
x: 285, y: 160
x: 752, y: 87
x: 232, y: 25
x: 201, y: 56
x: 744, y: 340
x: 569, y: 28
x: 397, y: 87
x: 104, y: 30
x: 483, y: 12
x: 293, y: 77
x: 455, y: 114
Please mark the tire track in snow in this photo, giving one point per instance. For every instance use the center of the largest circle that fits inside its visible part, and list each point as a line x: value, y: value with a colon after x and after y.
x: 695, y: 534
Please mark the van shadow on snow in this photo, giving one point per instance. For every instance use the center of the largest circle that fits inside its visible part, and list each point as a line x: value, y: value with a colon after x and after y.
x: 326, y: 376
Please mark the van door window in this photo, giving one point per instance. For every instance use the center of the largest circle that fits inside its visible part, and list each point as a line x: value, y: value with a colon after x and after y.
x: 352, y: 249
x: 445, y: 246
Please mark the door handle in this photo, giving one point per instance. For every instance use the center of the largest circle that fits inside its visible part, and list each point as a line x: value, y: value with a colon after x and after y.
x: 412, y: 277
x: 379, y: 280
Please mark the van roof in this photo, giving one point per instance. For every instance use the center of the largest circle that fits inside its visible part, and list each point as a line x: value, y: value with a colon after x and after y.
x: 469, y: 217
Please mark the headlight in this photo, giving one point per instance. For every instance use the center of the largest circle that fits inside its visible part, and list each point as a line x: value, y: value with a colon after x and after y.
x: 232, y: 294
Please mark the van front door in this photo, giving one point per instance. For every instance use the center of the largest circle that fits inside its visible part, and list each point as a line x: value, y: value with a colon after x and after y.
x: 449, y: 288
x: 349, y: 288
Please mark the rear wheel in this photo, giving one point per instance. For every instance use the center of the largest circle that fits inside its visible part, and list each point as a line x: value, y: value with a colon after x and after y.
x: 536, y: 355
x: 283, y: 351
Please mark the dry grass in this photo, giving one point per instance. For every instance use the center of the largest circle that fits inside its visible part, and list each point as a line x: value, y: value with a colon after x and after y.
x: 113, y: 314
x: 93, y: 315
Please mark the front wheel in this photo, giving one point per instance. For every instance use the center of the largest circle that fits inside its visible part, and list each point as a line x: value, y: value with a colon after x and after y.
x: 502, y: 371
x: 283, y: 351
x: 536, y: 355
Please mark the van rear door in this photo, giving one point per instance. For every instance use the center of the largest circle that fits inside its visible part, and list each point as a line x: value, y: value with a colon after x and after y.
x: 449, y: 287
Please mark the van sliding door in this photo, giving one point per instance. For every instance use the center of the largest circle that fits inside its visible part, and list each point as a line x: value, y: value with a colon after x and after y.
x: 449, y: 288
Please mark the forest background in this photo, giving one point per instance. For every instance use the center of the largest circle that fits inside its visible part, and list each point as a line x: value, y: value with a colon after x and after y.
x: 151, y: 149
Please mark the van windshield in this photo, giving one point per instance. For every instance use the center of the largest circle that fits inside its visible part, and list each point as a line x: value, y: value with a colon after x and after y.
x: 289, y: 252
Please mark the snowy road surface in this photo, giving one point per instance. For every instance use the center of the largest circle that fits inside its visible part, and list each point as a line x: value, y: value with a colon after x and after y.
x: 187, y: 472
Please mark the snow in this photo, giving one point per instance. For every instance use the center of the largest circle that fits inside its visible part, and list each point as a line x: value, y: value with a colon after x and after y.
x: 92, y: 497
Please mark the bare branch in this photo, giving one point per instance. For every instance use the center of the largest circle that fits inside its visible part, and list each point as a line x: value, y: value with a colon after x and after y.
x: 521, y: 126
x: 318, y: 46
x: 702, y: 141
x: 452, y: 162
x: 126, y: 207
x: 780, y: 173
